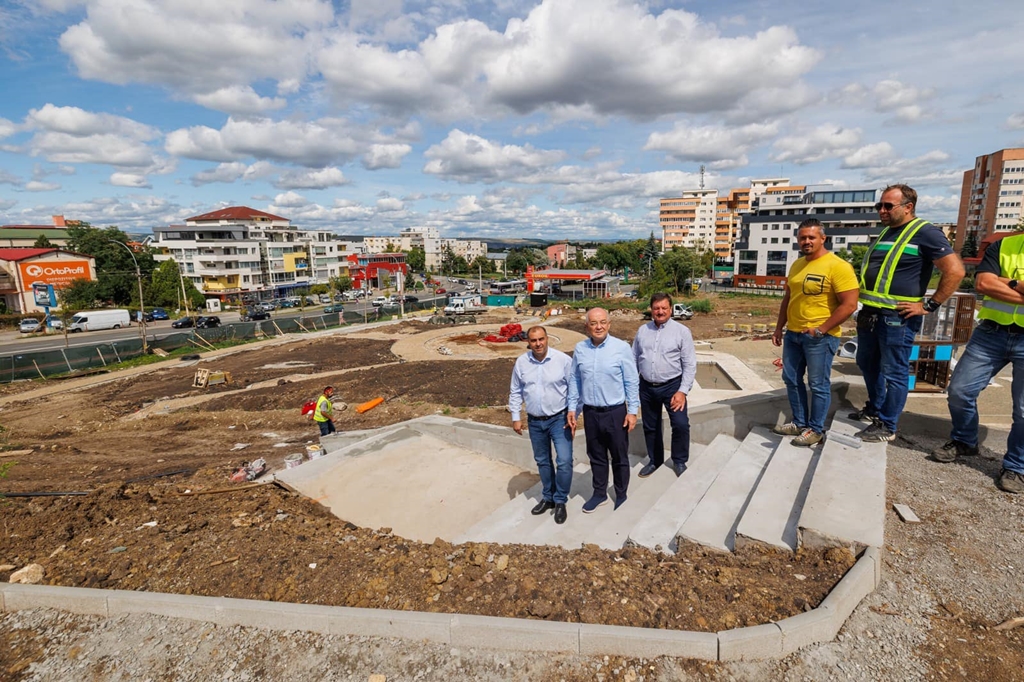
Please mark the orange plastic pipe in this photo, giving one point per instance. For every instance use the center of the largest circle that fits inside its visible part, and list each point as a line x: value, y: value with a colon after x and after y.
x: 367, y: 406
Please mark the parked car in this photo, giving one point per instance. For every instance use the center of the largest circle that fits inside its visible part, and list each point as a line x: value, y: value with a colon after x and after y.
x: 440, y: 290
x: 267, y: 306
x: 254, y: 314
x: 208, y: 322
x: 155, y: 314
x: 30, y: 325
x: 184, y: 323
x: 331, y: 309
x: 379, y: 301
x: 411, y: 299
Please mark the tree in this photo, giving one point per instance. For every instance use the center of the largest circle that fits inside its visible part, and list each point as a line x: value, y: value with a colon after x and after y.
x: 341, y: 283
x: 42, y: 242
x: 164, y: 288
x: 970, y: 249
x: 416, y: 259
x: 115, y: 266
x: 80, y: 294
x: 650, y: 254
x: 480, y: 264
x: 854, y: 255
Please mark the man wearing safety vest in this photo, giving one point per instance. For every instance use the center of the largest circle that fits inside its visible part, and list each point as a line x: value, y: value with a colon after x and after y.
x: 323, y: 414
x: 997, y: 341
x: 894, y: 277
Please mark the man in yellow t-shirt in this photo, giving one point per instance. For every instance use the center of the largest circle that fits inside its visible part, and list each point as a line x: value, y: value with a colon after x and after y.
x: 821, y: 293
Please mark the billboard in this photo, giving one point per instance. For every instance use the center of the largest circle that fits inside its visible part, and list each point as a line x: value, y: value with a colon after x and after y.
x: 58, y: 273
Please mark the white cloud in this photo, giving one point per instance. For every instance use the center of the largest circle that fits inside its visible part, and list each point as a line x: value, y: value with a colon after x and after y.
x: 312, y: 144
x: 290, y: 200
x: 1015, y: 121
x: 137, y: 180
x: 721, y: 146
x: 224, y: 172
x: 945, y: 205
x: 470, y: 158
x: 869, y: 155
x: 892, y: 96
x: 114, y: 150
x: 81, y: 123
x: 390, y: 204
x: 37, y: 186
x: 9, y: 178
x: 311, y: 179
x: 239, y: 99
x: 7, y: 128
x: 385, y: 156
x: 823, y: 142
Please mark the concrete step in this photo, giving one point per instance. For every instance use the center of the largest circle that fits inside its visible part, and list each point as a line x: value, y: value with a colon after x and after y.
x: 714, y: 520
x: 658, y: 526
x: 512, y: 522
x: 568, y: 534
x: 846, y: 502
x: 773, y: 512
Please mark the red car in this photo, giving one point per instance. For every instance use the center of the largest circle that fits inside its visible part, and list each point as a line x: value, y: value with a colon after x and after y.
x: 440, y: 290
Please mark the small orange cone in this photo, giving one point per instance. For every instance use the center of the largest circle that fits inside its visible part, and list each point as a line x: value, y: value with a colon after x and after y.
x: 369, y: 405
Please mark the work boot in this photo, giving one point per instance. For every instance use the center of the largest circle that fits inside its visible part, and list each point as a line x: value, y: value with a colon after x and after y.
x: 808, y: 438
x: 862, y: 415
x: 1011, y: 481
x: 953, y: 449
x: 788, y: 429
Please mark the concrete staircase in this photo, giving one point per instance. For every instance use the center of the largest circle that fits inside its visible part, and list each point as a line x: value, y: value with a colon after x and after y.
x: 761, y: 490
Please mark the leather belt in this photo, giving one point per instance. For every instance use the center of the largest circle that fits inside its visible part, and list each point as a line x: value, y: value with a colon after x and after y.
x: 548, y: 416
x: 659, y: 384
x: 597, y: 408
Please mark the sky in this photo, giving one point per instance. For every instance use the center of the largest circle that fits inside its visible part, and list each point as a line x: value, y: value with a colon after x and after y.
x: 489, y: 119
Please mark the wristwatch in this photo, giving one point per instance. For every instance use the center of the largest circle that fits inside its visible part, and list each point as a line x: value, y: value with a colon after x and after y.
x: 931, y: 305
x: 817, y: 333
x: 1012, y: 284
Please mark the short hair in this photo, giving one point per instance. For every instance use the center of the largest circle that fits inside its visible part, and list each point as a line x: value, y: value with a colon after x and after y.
x: 812, y: 222
x: 535, y: 327
x: 661, y: 296
x: 908, y: 192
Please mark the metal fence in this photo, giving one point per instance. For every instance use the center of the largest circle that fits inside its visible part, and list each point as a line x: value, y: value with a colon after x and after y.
x: 32, y: 365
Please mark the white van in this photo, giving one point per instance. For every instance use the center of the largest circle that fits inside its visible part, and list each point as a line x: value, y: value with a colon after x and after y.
x: 93, y: 320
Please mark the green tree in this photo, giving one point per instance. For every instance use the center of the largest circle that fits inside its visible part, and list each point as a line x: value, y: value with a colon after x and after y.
x: 115, y: 266
x: 480, y: 264
x: 416, y: 259
x: 854, y: 255
x: 164, y: 289
x: 341, y: 283
x: 970, y: 249
x: 80, y: 294
x: 650, y: 254
x: 42, y: 242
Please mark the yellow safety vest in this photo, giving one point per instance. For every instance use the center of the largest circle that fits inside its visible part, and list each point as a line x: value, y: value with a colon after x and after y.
x: 323, y: 409
x: 878, y: 295
x: 1011, y: 262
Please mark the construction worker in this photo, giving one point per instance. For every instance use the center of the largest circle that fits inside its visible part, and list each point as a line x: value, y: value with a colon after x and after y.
x: 540, y: 378
x: 894, y: 277
x: 323, y: 414
x: 997, y: 341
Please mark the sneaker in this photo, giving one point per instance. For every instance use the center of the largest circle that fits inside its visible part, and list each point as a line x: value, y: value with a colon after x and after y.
x: 619, y: 501
x: 877, y: 433
x: 591, y: 505
x: 808, y: 438
x: 542, y: 507
x: 1011, y: 481
x: 953, y: 449
x: 863, y: 415
x: 788, y: 429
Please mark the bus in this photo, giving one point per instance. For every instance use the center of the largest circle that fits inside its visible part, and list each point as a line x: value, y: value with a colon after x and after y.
x: 509, y: 287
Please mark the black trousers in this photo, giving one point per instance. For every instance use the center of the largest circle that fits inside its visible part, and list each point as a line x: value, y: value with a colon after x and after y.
x: 652, y: 399
x: 607, y: 439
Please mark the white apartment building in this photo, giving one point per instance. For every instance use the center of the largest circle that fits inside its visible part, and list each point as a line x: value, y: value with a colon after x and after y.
x: 768, y: 246
x: 689, y: 219
x: 467, y: 248
x: 428, y: 239
x: 239, y: 251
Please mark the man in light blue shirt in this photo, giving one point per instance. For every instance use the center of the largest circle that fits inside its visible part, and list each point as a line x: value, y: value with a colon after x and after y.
x: 540, y: 378
x: 667, y: 362
x: 603, y: 385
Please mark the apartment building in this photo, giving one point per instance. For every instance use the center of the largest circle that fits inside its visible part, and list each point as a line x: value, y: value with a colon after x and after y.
x: 243, y: 252
x: 467, y: 248
x: 728, y: 218
x: 990, y: 197
x: 768, y: 247
x: 689, y: 219
x: 561, y: 254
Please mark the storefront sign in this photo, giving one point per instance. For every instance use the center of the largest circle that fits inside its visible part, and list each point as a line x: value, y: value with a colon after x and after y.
x: 58, y: 273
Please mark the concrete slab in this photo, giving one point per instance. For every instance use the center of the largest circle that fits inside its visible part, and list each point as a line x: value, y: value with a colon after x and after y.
x: 514, y: 634
x: 647, y: 642
x: 420, y: 486
x: 411, y: 625
x: 750, y: 644
x: 82, y: 600
x: 568, y: 535
x: 274, y: 615
x: 773, y: 512
x: 846, y: 501
x: 714, y: 520
x: 186, y: 606
x: 815, y: 626
x: 504, y: 520
x: 658, y: 527
x: 643, y: 494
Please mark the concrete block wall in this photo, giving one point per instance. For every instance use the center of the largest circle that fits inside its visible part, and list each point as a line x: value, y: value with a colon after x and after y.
x: 771, y: 640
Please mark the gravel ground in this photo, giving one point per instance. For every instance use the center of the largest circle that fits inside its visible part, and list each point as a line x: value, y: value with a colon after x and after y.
x: 946, y: 583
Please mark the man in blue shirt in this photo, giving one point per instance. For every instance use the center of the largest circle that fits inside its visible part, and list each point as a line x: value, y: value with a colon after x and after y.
x: 604, y: 387
x: 540, y: 378
x: 667, y: 362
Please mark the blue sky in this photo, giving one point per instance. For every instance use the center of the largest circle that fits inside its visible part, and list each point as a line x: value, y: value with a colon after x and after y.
x: 557, y: 119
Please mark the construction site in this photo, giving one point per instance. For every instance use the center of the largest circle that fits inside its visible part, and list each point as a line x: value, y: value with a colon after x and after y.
x: 130, y: 482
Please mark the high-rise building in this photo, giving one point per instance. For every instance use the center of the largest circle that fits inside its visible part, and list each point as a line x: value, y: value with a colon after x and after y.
x: 689, y: 219
x: 990, y: 198
x: 728, y: 220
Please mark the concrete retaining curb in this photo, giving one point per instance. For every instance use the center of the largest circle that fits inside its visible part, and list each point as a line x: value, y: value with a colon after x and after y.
x: 772, y: 640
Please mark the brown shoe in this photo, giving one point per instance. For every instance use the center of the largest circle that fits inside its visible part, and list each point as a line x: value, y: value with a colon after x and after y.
x: 1011, y: 481
x: 808, y: 438
x: 788, y: 429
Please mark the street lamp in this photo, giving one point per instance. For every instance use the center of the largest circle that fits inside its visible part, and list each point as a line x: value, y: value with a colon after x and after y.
x: 142, y: 307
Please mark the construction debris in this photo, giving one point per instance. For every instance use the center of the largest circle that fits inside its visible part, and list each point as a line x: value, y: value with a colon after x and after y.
x: 906, y: 513
x: 207, y: 377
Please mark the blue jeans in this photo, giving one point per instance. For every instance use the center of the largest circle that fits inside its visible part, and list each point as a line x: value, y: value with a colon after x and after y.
x: 555, y: 479
x: 652, y: 399
x: 990, y: 349
x: 884, y: 343
x: 326, y: 427
x: 802, y: 353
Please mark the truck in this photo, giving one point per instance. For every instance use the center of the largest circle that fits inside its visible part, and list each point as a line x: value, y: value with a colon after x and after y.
x: 465, y: 305
x: 93, y: 320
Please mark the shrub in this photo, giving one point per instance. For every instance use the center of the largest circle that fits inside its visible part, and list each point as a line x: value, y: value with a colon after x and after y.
x: 702, y: 305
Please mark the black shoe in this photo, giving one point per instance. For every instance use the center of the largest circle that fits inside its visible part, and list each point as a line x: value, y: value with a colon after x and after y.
x: 619, y: 501
x: 648, y: 470
x: 560, y: 513
x: 542, y: 507
x: 877, y: 433
x: 953, y: 449
x: 679, y: 468
x: 862, y: 415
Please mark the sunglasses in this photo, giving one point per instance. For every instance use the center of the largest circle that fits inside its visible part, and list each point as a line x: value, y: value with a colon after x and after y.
x: 888, y: 206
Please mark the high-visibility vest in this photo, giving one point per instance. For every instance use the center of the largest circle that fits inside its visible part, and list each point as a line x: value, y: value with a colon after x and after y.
x: 878, y: 295
x: 1011, y: 262
x: 323, y: 409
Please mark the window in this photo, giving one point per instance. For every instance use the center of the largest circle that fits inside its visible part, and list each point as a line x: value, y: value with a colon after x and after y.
x: 775, y: 240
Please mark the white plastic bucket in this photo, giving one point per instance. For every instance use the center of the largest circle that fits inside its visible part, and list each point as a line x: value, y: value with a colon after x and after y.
x: 292, y: 461
x: 314, y: 451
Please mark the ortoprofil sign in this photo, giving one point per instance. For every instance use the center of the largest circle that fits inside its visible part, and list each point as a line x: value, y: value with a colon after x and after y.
x: 59, y: 273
